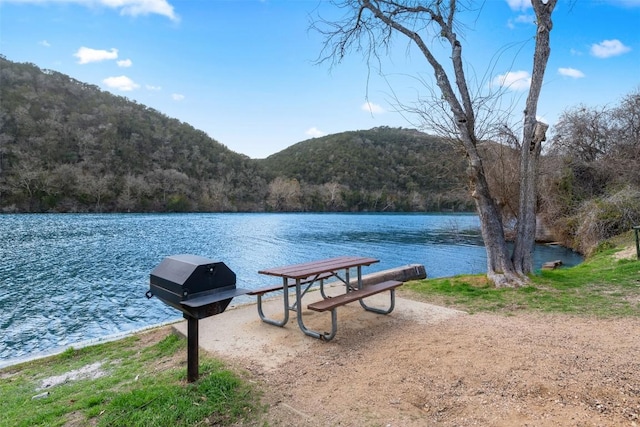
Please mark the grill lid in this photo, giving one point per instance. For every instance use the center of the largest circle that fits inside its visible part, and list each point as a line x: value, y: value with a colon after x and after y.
x: 188, y: 274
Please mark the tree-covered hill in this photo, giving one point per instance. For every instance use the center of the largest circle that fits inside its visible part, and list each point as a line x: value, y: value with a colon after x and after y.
x: 67, y: 146
x: 377, y: 168
x: 397, y: 159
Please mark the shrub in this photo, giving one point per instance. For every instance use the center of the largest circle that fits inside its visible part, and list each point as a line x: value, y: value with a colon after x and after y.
x: 602, y: 218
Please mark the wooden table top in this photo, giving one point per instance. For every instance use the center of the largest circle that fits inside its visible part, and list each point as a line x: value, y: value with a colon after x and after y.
x: 304, y: 270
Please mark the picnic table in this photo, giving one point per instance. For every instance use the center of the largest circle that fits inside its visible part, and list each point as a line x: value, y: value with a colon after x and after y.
x: 303, y: 276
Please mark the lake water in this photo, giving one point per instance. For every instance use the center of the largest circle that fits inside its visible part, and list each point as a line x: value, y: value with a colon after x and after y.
x: 72, y: 278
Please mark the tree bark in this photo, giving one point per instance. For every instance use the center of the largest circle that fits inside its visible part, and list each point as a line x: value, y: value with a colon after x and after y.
x: 500, y: 269
x: 533, y: 135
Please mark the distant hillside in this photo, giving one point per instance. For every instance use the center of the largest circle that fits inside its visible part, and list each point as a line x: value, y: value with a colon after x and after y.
x: 67, y: 146
x: 410, y: 169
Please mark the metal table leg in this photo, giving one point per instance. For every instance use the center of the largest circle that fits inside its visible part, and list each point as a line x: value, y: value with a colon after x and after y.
x: 326, y: 336
x: 285, y: 297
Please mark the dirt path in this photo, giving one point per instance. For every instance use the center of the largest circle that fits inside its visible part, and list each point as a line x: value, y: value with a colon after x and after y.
x: 446, y: 368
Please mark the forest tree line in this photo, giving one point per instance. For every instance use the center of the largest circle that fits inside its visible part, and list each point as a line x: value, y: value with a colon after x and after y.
x: 67, y: 146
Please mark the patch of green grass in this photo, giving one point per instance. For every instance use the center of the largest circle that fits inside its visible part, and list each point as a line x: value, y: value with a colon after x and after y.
x: 139, y: 385
x: 470, y: 293
x: 601, y: 286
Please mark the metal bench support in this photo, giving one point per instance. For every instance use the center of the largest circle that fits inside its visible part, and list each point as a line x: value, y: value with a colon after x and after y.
x: 285, y: 288
x: 331, y: 304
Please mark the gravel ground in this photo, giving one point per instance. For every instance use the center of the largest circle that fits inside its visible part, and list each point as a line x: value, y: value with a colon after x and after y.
x: 484, y: 370
x: 425, y: 365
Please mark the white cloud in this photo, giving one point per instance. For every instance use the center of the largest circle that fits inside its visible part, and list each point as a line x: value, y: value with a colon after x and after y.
x: 177, y: 96
x: 608, y: 48
x: 513, y: 80
x: 124, y: 63
x: 142, y: 7
x: 519, y: 4
x: 122, y: 83
x: 315, y: 132
x: 44, y: 43
x: 86, y: 55
x: 526, y: 19
x: 521, y: 19
x: 372, y: 108
x: 154, y: 88
x: 571, y: 72
x: 126, y: 7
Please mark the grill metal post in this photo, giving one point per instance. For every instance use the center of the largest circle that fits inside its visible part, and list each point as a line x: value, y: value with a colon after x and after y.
x: 192, y: 349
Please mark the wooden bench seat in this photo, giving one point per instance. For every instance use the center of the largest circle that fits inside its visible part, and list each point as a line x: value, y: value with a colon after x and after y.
x: 337, y: 301
x: 331, y: 304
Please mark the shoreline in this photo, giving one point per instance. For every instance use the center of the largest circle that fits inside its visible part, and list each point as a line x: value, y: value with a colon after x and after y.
x: 81, y: 344
x: 100, y: 340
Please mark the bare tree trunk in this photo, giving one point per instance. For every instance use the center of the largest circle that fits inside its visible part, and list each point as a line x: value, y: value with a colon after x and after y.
x: 533, y: 135
x: 500, y: 268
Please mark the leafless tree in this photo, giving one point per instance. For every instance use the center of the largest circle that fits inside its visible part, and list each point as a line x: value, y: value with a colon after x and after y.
x: 284, y: 194
x: 331, y: 195
x: 370, y: 26
x: 96, y: 188
x: 626, y: 126
x: 583, y: 133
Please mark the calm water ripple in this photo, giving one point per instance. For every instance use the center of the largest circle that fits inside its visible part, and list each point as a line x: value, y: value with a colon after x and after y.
x: 70, y: 278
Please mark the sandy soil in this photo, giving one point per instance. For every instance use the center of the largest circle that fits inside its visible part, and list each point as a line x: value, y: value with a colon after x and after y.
x: 425, y: 365
x: 480, y: 370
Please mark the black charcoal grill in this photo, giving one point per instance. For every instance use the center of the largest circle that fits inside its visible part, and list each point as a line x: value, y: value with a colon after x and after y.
x: 199, y: 288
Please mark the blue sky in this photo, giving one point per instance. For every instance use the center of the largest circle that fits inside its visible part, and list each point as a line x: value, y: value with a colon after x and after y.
x: 244, y: 71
